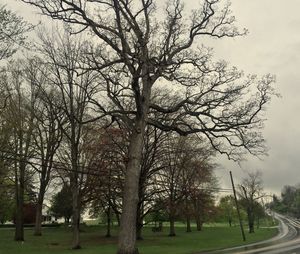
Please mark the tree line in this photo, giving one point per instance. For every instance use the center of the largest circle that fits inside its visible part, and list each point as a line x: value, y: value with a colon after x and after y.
x: 289, y: 201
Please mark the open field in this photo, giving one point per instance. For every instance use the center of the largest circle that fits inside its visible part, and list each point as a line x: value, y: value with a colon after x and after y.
x: 57, y: 240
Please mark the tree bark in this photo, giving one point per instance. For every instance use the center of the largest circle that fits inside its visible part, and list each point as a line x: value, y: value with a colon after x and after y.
x: 39, y: 209
x: 108, y: 226
x: 118, y: 219
x: 117, y: 213
x: 172, y: 226
x: 38, y: 220
x: 188, y: 224
x: 250, y: 221
x: 76, y: 218
x: 19, y: 220
x: 127, y: 236
x: 19, y: 232
x: 199, y: 223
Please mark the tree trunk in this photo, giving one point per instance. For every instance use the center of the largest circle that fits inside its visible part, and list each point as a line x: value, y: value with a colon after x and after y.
x: 188, y: 224
x: 38, y: 220
x: 127, y: 236
x: 108, y: 214
x: 251, y: 227
x: 230, y: 222
x: 172, y: 225
x: 76, y: 218
x: 39, y: 215
x: 19, y: 186
x: 250, y: 221
x: 19, y: 232
x: 118, y: 219
x: 199, y: 223
x: 160, y: 225
x: 117, y: 214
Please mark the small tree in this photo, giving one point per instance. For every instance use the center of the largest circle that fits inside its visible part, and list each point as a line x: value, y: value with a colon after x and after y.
x: 106, y: 159
x: 227, y: 207
x: 7, y: 207
x: 21, y: 104
x: 62, y: 54
x: 61, y: 204
x: 250, y: 191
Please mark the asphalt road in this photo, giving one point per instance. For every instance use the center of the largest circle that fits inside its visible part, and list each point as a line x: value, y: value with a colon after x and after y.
x: 286, y: 242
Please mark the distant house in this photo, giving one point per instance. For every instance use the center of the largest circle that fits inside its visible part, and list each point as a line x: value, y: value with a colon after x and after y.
x: 47, y: 218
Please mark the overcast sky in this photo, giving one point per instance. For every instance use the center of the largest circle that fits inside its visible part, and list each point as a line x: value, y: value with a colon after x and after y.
x: 272, y: 46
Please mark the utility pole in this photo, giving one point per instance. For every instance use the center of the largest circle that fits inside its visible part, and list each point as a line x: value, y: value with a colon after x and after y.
x: 237, y: 208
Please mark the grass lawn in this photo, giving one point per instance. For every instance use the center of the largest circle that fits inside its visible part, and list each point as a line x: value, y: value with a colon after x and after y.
x: 57, y: 240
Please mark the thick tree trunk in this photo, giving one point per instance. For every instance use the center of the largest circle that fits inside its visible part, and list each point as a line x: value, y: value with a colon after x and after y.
x: 76, y: 218
x: 250, y: 221
x: 172, y: 225
x: 251, y: 227
x: 19, y: 230
x: 127, y: 236
x: 188, y: 224
x: 199, y: 223
x: 39, y: 208
x: 38, y: 220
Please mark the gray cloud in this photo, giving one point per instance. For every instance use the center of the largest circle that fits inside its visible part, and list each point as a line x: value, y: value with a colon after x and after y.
x: 272, y: 46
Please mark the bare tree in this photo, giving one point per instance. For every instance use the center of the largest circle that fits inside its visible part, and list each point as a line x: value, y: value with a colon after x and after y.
x: 13, y: 31
x: 186, y: 179
x: 107, y: 157
x: 47, y: 134
x: 198, y: 184
x: 5, y: 128
x: 62, y: 54
x: 140, y: 48
x: 251, y: 190
x: 21, y: 107
x: 152, y: 157
x: 170, y: 179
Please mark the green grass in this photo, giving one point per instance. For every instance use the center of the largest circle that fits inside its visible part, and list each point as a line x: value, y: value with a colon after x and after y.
x: 58, y: 240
